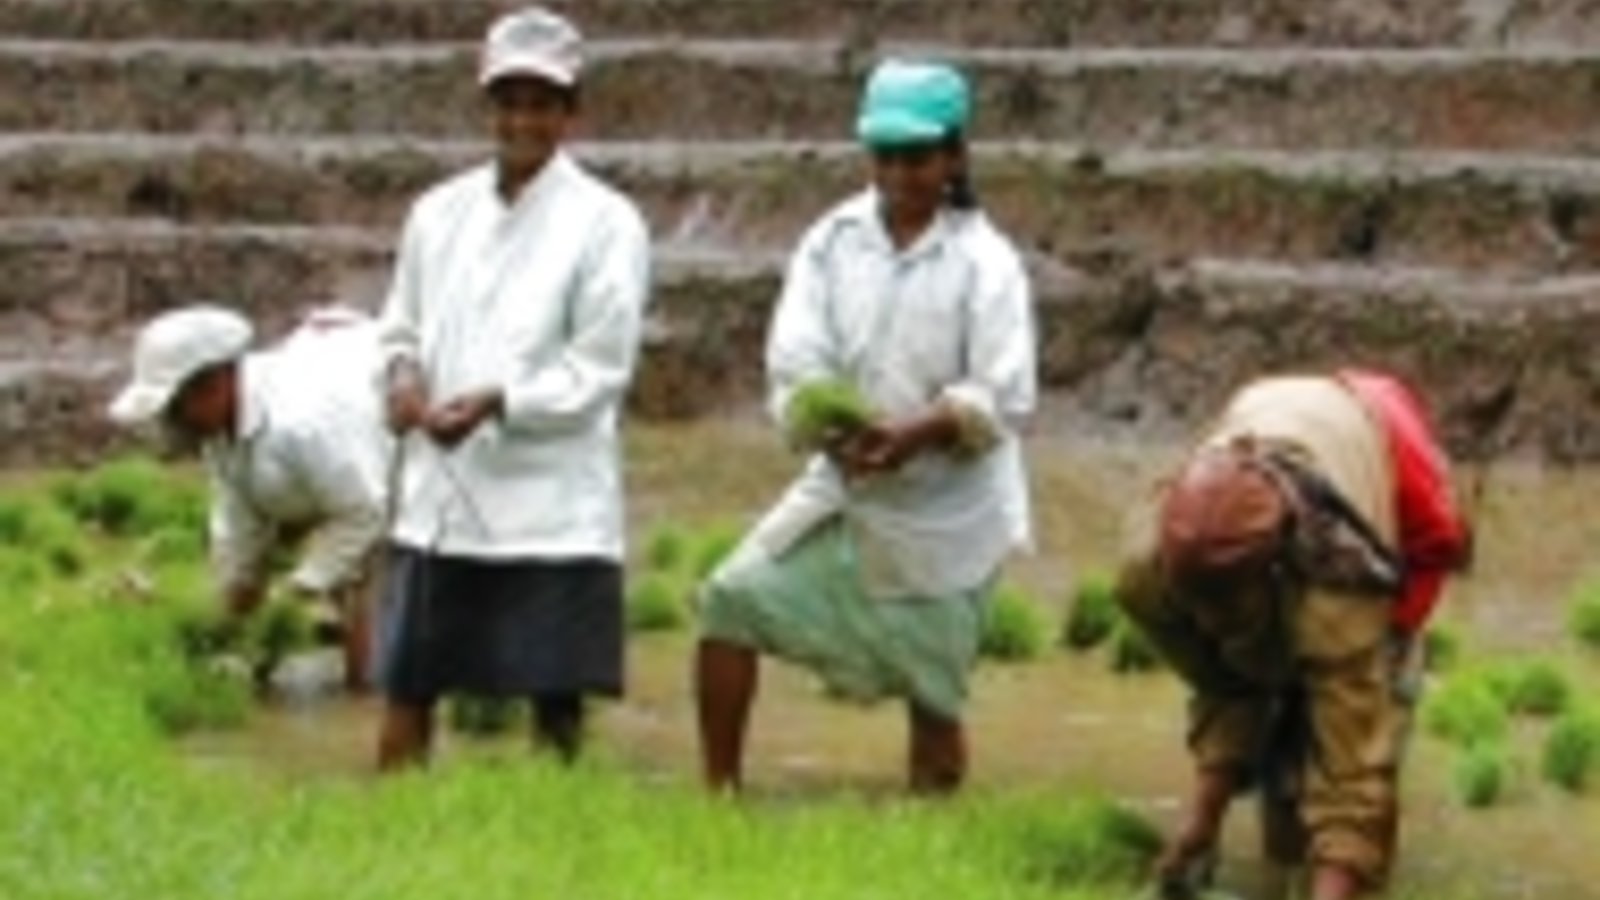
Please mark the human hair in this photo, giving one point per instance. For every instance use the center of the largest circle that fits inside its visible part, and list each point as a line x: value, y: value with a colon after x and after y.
x: 960, y: 193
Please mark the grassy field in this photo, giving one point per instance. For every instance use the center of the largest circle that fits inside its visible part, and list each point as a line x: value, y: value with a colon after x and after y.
x: 100, y: 584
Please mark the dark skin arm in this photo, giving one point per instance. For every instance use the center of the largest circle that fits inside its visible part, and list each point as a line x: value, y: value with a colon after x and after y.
x: 886, y: 446
x: 407, y: 405
x: 243, y: 599
x: 1213, y: 791
x: 448, y: 423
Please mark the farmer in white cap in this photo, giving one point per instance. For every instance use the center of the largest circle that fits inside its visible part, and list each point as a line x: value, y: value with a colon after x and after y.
x: 874, y: 569
x: 294, y: 441
x: 511, y: 329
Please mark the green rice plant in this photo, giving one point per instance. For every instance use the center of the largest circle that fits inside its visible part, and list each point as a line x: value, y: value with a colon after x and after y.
x: 196, y: 695
x: 668, y: 548
x: 822, y: 409
x: 174, y: 544
x: 1131, y: 650
x: 22, y: 573
x: 657, y: 602
x: 1013, y: 627
x: 1466, y: 711
x: 715, y: 543
x: 1070, y: 841
x: 1583, y: 616
x: 131, y: 495
x: 1480, y: 773
x: 1442, y: 645
x: 33, y: 526
x: 280, y: 626
x: 1572, y: 749
x: 485, y: 716
x: 1094, y: 612
x: 1537, y: 688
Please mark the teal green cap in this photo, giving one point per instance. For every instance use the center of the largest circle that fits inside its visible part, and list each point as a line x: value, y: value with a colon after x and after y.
x: 912, y: 103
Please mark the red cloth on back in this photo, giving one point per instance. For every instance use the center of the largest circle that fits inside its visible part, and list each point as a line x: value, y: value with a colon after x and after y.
x: 1433, y: 535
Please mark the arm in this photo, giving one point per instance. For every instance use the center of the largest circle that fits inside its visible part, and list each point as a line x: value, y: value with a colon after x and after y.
x: 1220, y: 734
x: 800, y: 341
x: 593, y: 367
x: 399, y: 334
x: 1000, y: 388
x: 241, y: 541
x: 997, y: 391
x: 343, y: 470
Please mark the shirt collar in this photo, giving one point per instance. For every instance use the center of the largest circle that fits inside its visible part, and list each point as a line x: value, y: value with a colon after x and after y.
x: 546, y: 180
x: 252, y: 397
x: 930, y: 243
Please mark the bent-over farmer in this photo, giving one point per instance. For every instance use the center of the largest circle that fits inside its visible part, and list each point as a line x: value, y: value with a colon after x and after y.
x: 1284, y: 571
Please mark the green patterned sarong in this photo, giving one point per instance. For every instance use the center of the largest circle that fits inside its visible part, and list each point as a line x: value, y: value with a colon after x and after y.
x: 807, y: 606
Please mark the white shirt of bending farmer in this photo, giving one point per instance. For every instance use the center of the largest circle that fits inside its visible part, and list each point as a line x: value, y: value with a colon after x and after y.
x: 311, y: 452
x: 947, y: 320
x: 542, y: 297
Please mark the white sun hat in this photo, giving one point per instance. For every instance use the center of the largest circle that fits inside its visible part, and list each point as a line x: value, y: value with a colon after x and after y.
x: 532, y: 41
x: 172, y: 348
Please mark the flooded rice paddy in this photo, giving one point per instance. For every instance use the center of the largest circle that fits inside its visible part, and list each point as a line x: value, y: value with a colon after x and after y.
x: 1064, y: 720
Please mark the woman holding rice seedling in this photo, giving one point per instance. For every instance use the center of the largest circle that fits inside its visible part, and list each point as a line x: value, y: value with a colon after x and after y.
x: 902, y: 356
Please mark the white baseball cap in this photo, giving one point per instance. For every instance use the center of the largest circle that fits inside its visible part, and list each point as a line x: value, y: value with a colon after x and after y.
x: 172, y: 348
x: 533, y: 41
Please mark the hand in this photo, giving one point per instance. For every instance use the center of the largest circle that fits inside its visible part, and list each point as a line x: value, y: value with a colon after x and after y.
x: 880, y: 448
x: 240, y: 600
x: 407, y: 406
x: 846, y: 449
x: 1185, y: 865
x: 451, y: 423
x: 887, y: 446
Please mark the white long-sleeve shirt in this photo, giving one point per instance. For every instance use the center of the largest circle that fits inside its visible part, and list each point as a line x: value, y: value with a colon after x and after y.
x: 947, y: 320
x: 310, y: 456
x: 542, y: 298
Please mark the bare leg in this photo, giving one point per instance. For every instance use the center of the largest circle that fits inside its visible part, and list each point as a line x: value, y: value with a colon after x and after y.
x: 357, y: 642
x: 726, y: 678
x: 558, y: 722
x: 938, y: 757
x: 406, y: 736
x: 1331, y: 881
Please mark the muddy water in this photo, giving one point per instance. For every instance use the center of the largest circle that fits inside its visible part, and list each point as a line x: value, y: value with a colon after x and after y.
x: 1065, y: 721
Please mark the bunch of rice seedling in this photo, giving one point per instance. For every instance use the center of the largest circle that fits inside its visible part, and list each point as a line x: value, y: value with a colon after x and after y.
x: 1466, y: 711
x: 189, y: 697
x: 1094, y: 613
x: 1572, y: 749
x: 34, y: 527
x: 657, y: 602
x: 1442, y: 644
x: 1583, y: 617
x: 1131, y: 650
x: 1067, y: 842
x: 130, y: 496
x: 1537, y: 688
x: 1480, y: 774
x: 1013, y: 627
x: 824, y: 409
x: 714, y: 545
x: 667, y: 549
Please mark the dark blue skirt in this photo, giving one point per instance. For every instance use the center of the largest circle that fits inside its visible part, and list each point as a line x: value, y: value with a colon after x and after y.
x: 499, y: 628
